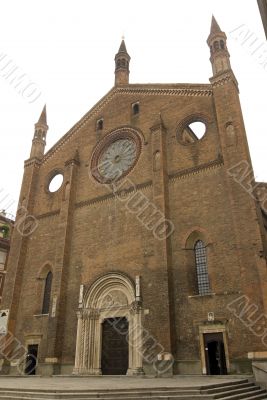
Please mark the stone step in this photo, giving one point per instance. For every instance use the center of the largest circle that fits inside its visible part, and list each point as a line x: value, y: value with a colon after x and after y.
x: 221, y: 388
x: 256, y: 394
x: 107, y: 394
x: 205, y: 388
x: 225, y: 384
x: 100, y: 395
x: 114, y: 393
x: 111, y: 394
x: 235, y: 390
x: 91, y: 396
x: 145, y: 397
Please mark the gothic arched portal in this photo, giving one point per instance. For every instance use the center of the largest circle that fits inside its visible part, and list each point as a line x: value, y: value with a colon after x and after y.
x: 111, y: 297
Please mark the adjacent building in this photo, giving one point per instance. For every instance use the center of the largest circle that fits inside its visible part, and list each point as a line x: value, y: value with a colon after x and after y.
x: 6, y: 227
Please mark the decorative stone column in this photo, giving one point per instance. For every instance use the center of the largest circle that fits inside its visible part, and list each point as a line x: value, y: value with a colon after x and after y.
x: 136, y: 340
x: 79, y: 343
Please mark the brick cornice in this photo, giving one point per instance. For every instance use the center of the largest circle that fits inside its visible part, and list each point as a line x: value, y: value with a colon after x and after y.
x: 223, y: 78
x: 110, y: 196
x: 48, y: 214
x: 32, y: 161
x: 195, y: 170
x: 201, y: 91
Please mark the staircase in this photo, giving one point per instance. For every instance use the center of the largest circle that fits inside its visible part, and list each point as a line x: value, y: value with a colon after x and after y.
x: 235, y: 390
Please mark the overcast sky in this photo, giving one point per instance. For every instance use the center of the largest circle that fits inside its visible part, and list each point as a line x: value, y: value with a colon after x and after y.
x: 66, y: 51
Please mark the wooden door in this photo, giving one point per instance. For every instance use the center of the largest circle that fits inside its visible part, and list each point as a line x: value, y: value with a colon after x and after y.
x: 115, y: 347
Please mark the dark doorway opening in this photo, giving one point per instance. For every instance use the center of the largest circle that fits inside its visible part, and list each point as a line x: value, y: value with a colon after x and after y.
x: 215, y: 354
x: 31, y: 359
x: 115, y: 348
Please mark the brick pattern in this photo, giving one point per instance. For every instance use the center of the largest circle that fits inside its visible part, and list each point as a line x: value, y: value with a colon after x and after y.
x: 85, y: 231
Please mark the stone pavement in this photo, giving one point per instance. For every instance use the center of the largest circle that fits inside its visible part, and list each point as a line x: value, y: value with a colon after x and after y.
x: 118, y: 382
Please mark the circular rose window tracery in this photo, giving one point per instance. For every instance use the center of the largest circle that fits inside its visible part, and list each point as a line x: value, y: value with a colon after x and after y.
x: 116, y: 155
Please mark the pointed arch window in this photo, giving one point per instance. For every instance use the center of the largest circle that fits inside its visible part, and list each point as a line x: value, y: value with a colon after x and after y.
x: 47, y: 293
x: 202, y: 268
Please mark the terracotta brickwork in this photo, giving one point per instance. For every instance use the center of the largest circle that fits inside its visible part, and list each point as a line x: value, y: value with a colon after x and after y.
x: 86, y: 231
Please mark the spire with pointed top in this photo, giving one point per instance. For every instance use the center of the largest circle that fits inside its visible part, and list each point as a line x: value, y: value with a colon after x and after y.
x: 122, y: 48
x: 39, y: 139
x: 214, y: 26
x: 42, y: 119
x: 122, y: 60
x: 219, y: 55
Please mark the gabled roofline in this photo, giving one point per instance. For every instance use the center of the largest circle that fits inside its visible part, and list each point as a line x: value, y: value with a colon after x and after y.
x: 174, y: 89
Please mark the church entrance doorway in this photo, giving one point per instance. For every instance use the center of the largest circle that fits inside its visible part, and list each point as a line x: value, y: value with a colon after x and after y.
x: 115, y: 347
x: 109, y: 329
x: 31, y: 359
x: 215, y: 354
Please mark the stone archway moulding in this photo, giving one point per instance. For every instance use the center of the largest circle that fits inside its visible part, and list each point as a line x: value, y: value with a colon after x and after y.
x: 112, y: 295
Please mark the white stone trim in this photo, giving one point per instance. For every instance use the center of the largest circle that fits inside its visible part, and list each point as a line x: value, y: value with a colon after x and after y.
x: 110, y: 296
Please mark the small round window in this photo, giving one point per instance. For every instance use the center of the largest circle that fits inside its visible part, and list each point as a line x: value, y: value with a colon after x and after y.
x: 55, y: 183
x: 192, y: 132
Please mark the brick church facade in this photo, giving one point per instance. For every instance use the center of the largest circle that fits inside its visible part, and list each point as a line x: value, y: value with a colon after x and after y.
x: 150, y: 256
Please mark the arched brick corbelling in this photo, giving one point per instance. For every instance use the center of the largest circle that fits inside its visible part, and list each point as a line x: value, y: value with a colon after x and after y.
x: 43, y: 271
x: 195, y: 230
